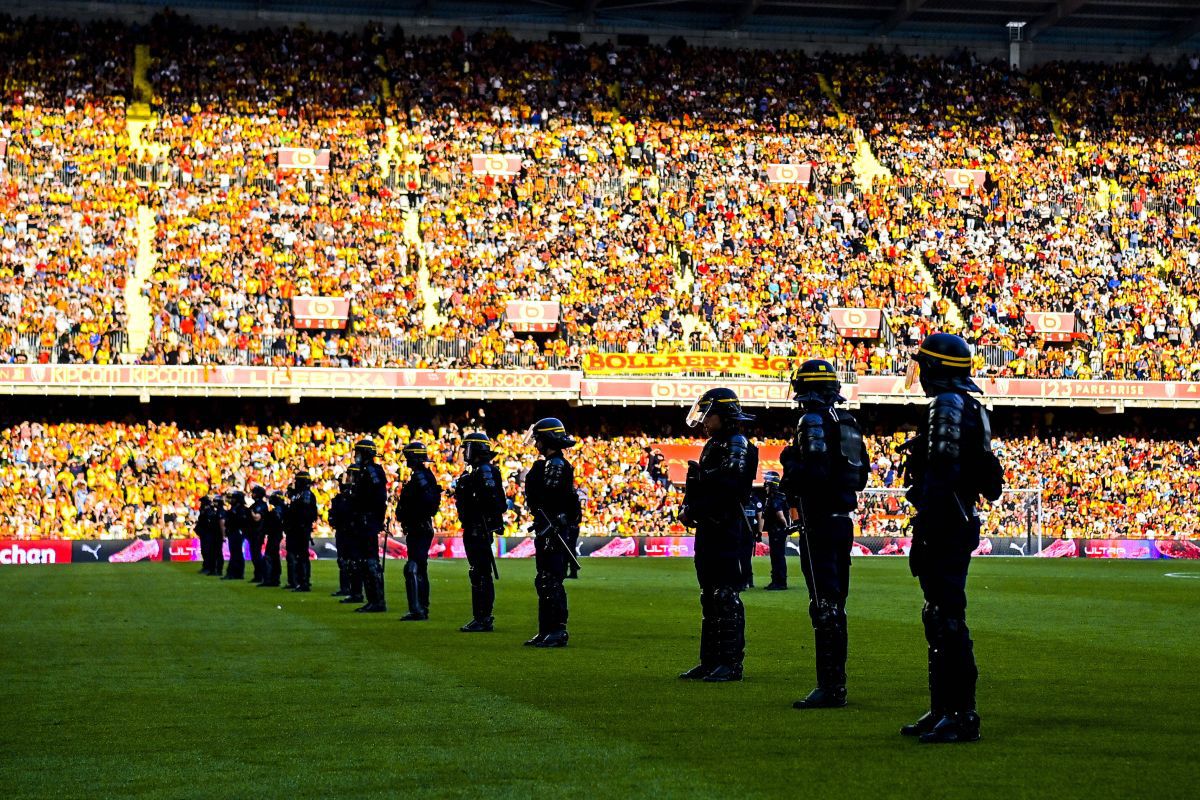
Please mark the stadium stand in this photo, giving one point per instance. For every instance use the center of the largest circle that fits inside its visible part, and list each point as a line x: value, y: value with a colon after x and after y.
x: 121, y: 479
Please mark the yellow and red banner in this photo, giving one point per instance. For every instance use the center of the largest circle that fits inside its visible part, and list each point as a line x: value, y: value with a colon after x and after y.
x: 504, y: 165
x: 303, y: 158
x: 687, y: 362
x: 789, y: 173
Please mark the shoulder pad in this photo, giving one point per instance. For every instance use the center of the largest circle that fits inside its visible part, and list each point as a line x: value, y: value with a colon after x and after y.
x: 740, y: 441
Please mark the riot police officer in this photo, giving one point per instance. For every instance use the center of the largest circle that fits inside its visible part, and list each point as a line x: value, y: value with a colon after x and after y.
x: 420, y: 499
x: 208, y: 531
x: 299, y: 516
x: 235, y: 533
x: 257, y: 532
x: 368, y: 509
x: 775, y: 523
x: 949, y: 465
x: 824, y: 468
x: 718, y: 487
x: 272, y: 565
x: 349, y: 581
x: 551, y: 499
x: 479, y: 498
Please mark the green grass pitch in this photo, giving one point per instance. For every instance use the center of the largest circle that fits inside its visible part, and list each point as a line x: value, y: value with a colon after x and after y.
x: 151, y: 681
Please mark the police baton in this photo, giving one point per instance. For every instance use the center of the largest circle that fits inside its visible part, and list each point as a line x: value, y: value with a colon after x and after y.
x: 550, y: 530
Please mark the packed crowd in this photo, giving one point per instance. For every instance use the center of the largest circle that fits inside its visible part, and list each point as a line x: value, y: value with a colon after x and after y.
x: 642, y: 196
x: 1088, y: 204
x: 120, y: 480
x: 66, y: 242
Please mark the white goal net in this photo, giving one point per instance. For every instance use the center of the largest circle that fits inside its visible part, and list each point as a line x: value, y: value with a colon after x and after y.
x: 1014, y: 522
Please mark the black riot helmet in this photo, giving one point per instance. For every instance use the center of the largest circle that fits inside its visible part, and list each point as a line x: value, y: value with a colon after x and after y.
x: 303, y: 479
x: 365, y: 451
x: 477, y: 447
x: 549, y: 432
x: 943, y: 364
x: 277, y: 499
x: 258, y: 493
x: 722, y: 402
x: 816, y: 381
x: 771, y: 478
x: 416, y: 453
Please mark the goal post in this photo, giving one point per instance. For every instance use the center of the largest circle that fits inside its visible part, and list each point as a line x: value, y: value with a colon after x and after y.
x: 1013, y: 523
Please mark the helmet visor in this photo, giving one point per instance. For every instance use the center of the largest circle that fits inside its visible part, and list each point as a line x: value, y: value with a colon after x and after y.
x: 698, y: 412
x: 530, y: 434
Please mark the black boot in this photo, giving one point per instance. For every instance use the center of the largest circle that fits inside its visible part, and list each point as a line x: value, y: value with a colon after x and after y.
x: 479, y: 626
x: 923, y: 725
x: 412, y: 590
x: 954, y: 728
x: 830, y: 663
x: 724, y: 674
x: 775, y: 587
x: 729, y: 636
x: 536, y: 641
x: 553, y: 639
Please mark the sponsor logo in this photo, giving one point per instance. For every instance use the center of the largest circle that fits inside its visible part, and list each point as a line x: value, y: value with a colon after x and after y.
x: 17, y: 553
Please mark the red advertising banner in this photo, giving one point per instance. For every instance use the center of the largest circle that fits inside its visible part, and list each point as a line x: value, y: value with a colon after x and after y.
x: 1052, y: 326
x: 886, y: 388
x: 41, y: 551
x: 303, y: 158
x: 503, y: 165
x: 320, y: 312
x: 1118, y: 548
x: 857, y: 323
x: 789, y: 173
x: 669, y: 546
x: 679, y: 391
x: 677, y: 455
x: 350, y: 381
x: 529, y: 316
x: 965, y: 180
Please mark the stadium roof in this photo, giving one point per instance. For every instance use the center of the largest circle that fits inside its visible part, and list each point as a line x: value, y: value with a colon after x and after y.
x: 1094, y: 24
x: 1171, y: 21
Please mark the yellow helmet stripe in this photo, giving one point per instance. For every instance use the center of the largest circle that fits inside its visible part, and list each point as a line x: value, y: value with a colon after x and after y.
x: 953, y: 361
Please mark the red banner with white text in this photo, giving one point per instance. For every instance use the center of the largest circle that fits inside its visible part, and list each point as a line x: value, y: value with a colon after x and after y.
x: 857, y: 323
x: 789, y: 173
x: 531, y: 316
x: 320, y: 312
x: 1052, y: 326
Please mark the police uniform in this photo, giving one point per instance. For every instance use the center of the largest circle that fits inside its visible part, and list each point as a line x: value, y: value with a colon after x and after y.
x: 299, y: 517
x: 349, y: 582
x: 481, y: 503
x: 949, y: 465
x: 235, y: 535
x: 775, y: 523
x: 718, y: 487
x: 272, y: 565
x: 257, y: 532
x: 552, y: 502
x: 824, y: 468
x: 208, y: 531
x: 368, y: 509
x: 420, y: 498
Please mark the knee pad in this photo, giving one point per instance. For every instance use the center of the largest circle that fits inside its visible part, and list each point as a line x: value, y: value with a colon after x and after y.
x: 825, y: 615
x: 542, y: 582
x: 411, y: 569
x: 727, y: 601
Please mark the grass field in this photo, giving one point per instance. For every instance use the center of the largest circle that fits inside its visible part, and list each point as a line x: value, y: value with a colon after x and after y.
x: 151, y: 681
